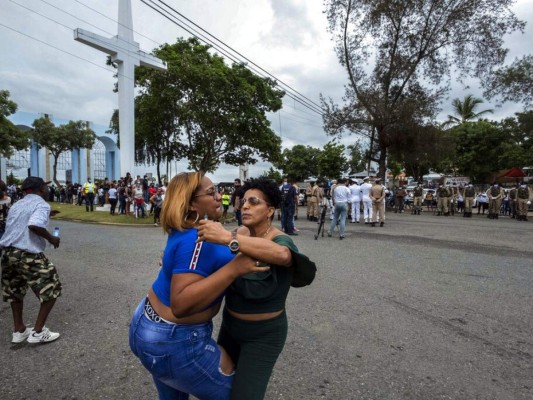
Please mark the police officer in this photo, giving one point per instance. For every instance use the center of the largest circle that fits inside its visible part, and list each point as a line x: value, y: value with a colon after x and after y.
x: 442, y: 200
x: 468, y: 195
x: 523, y: 197
x: 367, y: 202
x: 513, y: 201
x: 494, y: 194
x: 313, y: 202
x: 452, y: 200
x: 308, y: 191
x: 377, y: 196
x: 417, y: 198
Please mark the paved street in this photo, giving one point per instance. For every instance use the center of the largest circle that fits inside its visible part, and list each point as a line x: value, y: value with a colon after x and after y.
x: 425, y: 308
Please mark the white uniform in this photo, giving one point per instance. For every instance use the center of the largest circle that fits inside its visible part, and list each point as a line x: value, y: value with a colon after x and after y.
x: 367, y: 202
x: 355, y: 191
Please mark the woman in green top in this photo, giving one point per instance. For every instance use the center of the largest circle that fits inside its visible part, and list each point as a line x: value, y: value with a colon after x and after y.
x: 254, y: 325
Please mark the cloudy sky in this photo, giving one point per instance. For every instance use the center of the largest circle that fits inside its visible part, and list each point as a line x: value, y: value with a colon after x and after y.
x: 46, y: 71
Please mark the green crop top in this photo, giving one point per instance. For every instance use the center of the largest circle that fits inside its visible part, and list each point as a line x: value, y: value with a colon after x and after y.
x: 262, y: 292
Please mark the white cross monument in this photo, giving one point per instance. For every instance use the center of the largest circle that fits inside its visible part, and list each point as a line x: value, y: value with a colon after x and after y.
x: 125, y: 52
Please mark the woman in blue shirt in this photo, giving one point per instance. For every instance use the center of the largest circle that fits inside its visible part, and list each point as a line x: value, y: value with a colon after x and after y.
x: 171, y: 328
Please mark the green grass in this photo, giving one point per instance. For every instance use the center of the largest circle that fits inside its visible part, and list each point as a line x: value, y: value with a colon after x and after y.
x: 71, y: 212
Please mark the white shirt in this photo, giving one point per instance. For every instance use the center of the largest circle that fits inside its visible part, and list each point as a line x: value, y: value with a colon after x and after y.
x: 342, y: 194
x: 365, y: 190
x: 355, y: 191
x: 112, y: 193
x: 30, y: 210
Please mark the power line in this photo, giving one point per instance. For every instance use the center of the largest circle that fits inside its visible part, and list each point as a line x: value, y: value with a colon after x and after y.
x: 61, y: 50
x: 177, y: 21
x: 239, y: 54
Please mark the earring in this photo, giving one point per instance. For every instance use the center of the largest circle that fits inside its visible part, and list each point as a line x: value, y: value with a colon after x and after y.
x: 197, y: 216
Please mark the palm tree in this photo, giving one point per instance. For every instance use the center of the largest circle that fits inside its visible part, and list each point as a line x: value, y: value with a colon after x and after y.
x: 466, y: 110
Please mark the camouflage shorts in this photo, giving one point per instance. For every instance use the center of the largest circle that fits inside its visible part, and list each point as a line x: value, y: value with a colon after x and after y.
x: 21, y: 270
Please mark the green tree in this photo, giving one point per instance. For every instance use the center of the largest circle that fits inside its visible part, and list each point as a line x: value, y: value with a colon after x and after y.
x: 208, y: 112
x: 11, y: 138
x: 517, y: 149
x: 466, y: 110
x: 397, y: 52
x: 299, y: 162
x: 332, y: 163
x: 513, y: 83
x: 356, y: 162
x: 422, y: 148
x: 273, y: 174
x: 74, y: 134
x: 478, y: 148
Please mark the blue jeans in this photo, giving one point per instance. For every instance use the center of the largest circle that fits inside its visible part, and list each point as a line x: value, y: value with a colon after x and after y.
x: 341, y: 210
x: 287, y: 218
x: 183, y: 359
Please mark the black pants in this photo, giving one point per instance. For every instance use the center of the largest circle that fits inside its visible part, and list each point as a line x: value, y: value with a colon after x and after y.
x: 89, y: 201
x: 254, y: 346
x: 113, y: 203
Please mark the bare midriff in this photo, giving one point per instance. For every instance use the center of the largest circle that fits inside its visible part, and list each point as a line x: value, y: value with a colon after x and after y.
x: 166, y: 313
x: 254, y: 317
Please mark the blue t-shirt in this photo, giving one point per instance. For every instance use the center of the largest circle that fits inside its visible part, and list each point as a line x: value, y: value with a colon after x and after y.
x: 183, y: 255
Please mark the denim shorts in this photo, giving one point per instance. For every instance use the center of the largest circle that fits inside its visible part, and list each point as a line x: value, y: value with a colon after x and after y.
x: 183, y: 359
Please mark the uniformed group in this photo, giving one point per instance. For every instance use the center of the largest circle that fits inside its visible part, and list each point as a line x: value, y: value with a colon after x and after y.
x: 448, y: 197
x: 371, y: 196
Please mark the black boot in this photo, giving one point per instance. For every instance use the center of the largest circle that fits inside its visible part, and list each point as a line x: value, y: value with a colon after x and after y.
x: 381, y: 224
x: 438, y: 213
x: 373, y: 224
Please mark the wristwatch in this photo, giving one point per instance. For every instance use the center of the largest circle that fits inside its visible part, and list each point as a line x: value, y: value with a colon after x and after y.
x: 234, y: 243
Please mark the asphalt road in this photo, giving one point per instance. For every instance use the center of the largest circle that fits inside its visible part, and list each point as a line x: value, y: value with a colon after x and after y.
x: 425, y: 308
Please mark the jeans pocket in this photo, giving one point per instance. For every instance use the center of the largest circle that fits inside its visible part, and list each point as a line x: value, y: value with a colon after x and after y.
x: 159, y: 366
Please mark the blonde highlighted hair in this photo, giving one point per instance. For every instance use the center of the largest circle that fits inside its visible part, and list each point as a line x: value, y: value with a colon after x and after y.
x: 178, y: 196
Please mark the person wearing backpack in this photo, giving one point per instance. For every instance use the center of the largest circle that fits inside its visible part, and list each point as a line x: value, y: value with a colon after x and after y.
x: 288, y: 197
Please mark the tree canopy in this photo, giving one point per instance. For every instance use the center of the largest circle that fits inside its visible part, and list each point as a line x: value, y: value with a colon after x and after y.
x: 203, y: 110
x: 11, y: 138
x: 74, y: 134
x: 513, y: 83
x: 398, y: 53
x: 466, y: 109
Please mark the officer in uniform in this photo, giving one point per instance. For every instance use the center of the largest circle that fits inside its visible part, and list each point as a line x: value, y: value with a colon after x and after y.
x: 400, y: 198
x: 313, y: 202
x: 377, y: 196
x: 417, y: 199
x: 468, y: 195
x: 367, y: 202
x: 308, y: 191
x: 442, y: 200
x: 523, y: 197
x: 355, y: 191
x: 513, y: 201
x: 494, y: 194
x: 452, y: 200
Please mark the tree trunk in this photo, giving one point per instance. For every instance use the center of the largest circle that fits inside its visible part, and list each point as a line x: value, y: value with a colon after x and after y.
x: 55, y: 170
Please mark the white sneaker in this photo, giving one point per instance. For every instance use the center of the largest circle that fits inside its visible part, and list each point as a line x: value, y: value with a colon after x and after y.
x: 42, y: 337
x: 19, y: 337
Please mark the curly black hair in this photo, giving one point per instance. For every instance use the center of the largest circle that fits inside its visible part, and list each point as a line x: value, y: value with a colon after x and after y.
x: 268, y: 187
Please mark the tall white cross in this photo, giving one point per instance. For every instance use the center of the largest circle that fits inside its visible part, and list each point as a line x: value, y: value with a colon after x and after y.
x: 125, y: 52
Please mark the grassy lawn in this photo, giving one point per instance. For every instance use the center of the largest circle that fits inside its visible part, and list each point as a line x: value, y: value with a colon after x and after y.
x: 71, y: 212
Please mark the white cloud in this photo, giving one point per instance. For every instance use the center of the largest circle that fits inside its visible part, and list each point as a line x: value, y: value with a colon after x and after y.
x: 56, y: 75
